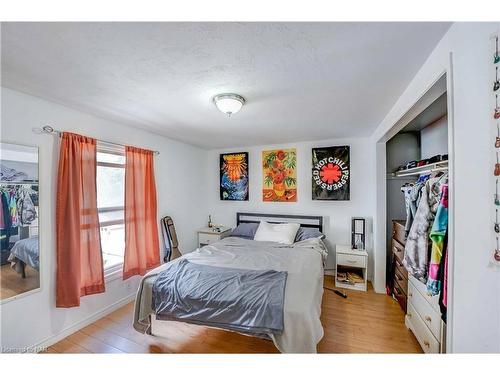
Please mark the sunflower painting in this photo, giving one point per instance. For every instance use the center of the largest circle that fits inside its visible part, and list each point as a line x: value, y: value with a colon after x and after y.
x: 234, y: 176
x: 280, y: 175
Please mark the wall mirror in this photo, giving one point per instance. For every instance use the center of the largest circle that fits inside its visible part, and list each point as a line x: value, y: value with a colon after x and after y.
x: 19, y: 203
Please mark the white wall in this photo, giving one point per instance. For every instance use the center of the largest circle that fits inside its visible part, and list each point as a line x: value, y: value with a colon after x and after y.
x: 434, y: 139
x: 474, y: 323
x: 401, y: 149
x: 337, y: 214
x: 34, y: 319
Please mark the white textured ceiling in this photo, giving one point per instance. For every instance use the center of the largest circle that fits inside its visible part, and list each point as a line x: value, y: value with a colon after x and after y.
x: 302, y: 81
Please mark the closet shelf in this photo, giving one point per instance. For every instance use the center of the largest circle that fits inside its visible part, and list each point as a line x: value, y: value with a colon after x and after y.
x: 429, y: 168
x: 19, y: 182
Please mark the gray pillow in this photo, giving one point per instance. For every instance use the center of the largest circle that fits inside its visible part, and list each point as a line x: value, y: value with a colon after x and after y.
x: 245, y: 230
x: 306, y: 233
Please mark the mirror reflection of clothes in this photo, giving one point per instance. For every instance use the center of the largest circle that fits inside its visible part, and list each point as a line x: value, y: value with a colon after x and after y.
x: 25, y: 207
x: 16, y: 209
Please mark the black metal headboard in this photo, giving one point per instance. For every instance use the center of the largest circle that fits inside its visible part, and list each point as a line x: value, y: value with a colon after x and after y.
x: 304, y: 221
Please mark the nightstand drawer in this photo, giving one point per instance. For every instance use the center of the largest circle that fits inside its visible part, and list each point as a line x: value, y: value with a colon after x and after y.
x: 207, y: 239
x: 351, y: 260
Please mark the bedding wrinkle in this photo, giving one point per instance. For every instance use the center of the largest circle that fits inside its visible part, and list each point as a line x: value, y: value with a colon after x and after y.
x: 303, y: 289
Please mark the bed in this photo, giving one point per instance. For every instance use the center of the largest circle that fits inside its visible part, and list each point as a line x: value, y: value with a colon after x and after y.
x: 25, y: 252
x: 302, y: 262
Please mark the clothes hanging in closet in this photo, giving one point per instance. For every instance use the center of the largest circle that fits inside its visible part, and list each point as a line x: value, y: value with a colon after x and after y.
x: 416, y: 258
x: 412, y: 195
x: 437, y: 236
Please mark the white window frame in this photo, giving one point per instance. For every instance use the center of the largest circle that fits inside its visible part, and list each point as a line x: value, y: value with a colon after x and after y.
x: 116, y: 271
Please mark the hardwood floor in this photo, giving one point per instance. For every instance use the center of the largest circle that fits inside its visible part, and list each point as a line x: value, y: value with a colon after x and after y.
x: 12, y: 284
x: 362, y: 323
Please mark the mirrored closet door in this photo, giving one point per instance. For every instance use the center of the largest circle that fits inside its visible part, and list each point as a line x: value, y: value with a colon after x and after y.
x: 19, y: 220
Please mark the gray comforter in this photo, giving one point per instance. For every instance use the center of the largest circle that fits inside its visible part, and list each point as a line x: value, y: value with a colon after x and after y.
x: 25, y: 250
x: 246, y: 301
x: 303, y: 263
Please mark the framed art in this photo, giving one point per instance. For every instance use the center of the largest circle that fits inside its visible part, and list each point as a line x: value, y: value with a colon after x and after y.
x: 233, y: 169
x: 331, y: 173
x: 279, y: 169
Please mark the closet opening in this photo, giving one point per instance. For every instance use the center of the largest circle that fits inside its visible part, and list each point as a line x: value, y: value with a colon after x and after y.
x: 417, y: 212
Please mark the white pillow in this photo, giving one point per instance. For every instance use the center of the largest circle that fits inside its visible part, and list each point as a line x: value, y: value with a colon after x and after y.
x: 281, y: 233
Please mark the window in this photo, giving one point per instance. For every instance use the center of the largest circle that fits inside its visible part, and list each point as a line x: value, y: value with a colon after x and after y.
x: 110, y: 203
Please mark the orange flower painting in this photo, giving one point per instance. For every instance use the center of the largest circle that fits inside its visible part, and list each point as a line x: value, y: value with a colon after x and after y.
x: 280, y: 175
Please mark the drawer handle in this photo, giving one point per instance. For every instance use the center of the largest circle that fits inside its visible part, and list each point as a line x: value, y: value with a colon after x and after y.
x: 352, y: 261
x: 409, y: 315
x: 428, y: 318
x: 410, y: 294
x: 426, y: 343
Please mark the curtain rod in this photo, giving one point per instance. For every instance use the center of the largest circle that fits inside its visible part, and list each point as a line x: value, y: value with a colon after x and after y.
x: 47, y: 129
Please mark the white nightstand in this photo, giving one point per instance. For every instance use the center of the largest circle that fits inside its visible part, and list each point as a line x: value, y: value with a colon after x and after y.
x: 354, y: 260
x: 207, y: 236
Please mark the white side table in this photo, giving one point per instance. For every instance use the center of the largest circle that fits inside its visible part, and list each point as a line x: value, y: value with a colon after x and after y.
x: 348, y: 259
x: 207, y: 236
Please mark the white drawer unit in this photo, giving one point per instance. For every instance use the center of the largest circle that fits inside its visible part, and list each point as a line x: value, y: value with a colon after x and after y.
x: 426, y: 339
x: 207, y: 236
x: 354, y: 261
x: 424, y: 317
x: 431, y: 317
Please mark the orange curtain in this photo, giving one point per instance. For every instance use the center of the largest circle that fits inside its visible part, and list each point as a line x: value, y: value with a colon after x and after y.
x: 79, y: 257
x: 142, y: 246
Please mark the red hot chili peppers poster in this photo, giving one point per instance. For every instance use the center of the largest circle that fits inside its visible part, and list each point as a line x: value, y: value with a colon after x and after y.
x: 331, y: 173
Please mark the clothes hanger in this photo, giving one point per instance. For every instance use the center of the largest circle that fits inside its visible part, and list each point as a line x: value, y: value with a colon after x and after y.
x: 444, y: 177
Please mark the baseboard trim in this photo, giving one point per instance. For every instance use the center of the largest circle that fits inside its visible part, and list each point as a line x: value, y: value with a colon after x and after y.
x: 81, y: 324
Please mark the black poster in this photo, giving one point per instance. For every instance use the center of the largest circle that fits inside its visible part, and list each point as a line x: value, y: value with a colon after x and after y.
x: 331, y: 173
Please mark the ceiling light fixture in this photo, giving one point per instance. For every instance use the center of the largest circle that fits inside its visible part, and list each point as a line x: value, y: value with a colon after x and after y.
x: 229, y: 103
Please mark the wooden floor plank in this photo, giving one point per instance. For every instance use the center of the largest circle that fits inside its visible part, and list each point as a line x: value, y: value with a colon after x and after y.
x: 365, y: 322
x: 67, y: 346
x: 92, y: 344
